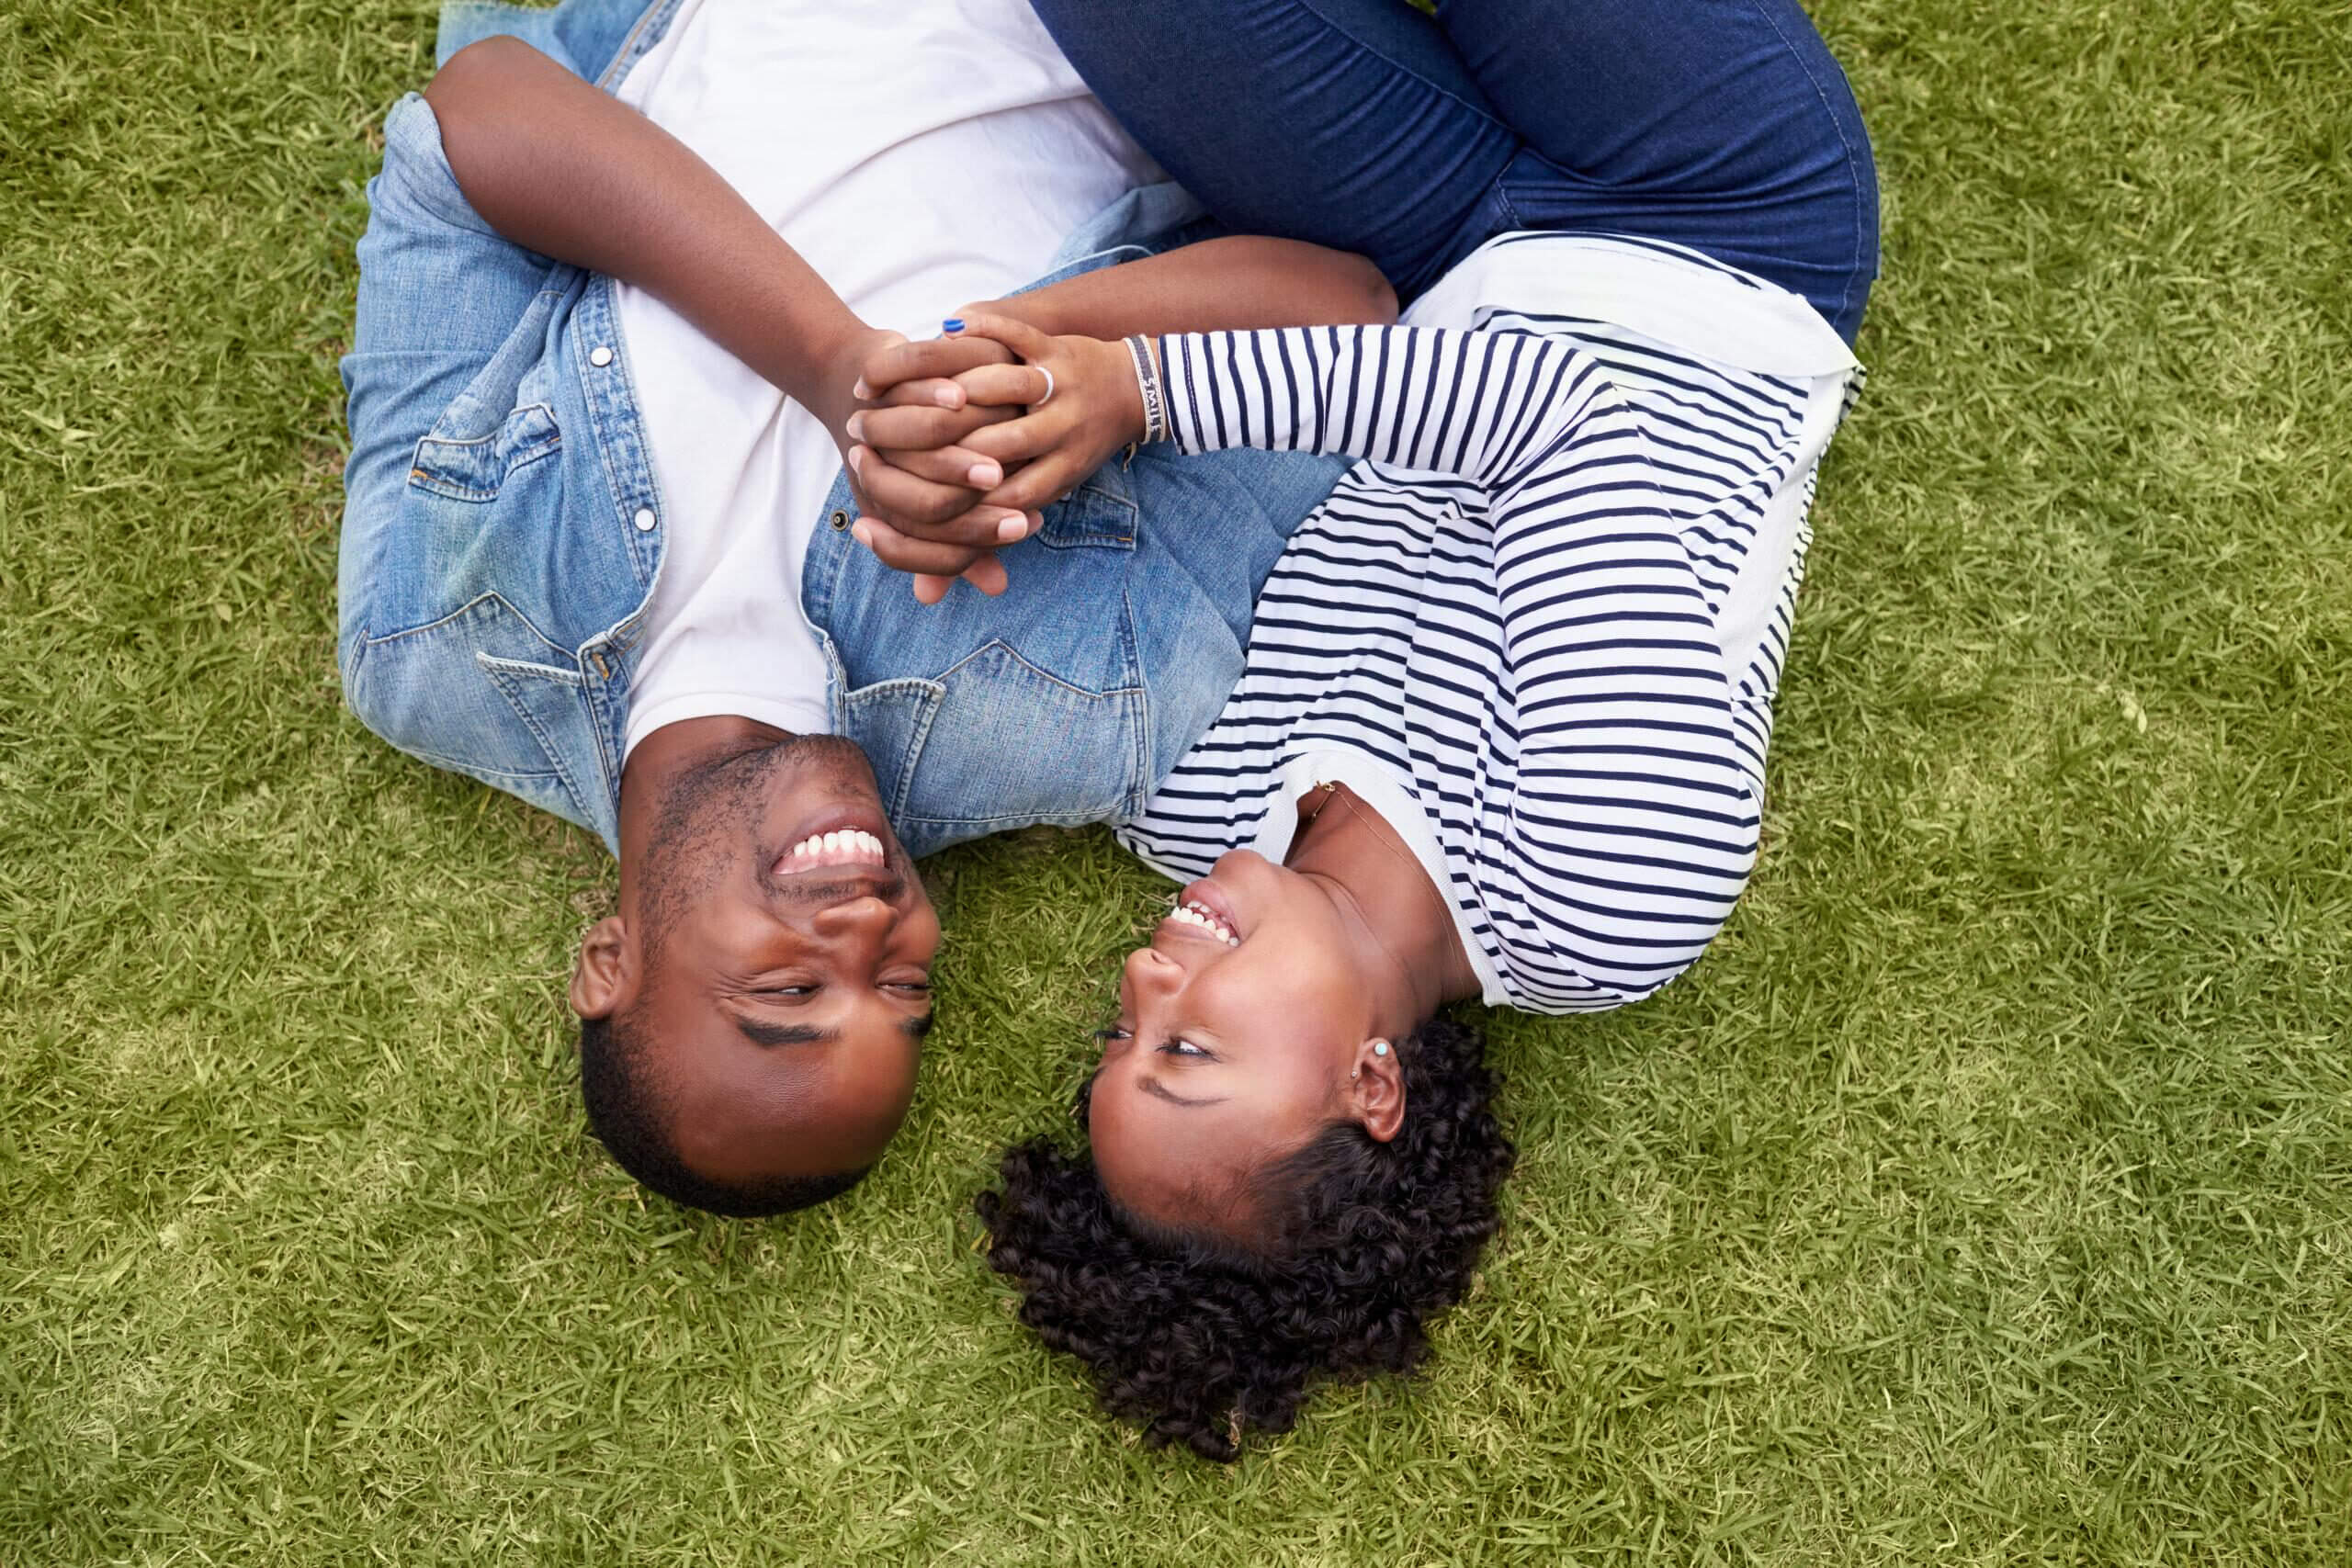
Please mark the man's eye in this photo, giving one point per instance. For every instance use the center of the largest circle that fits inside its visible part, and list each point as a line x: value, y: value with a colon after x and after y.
x: 794, y: 991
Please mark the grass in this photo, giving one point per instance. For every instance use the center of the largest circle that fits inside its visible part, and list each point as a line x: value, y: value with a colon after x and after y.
x: 1984, y: 1197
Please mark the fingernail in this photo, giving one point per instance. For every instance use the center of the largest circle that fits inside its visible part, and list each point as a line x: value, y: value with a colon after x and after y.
x: 858, y: 427
x: 985, y: 475
x: 861, y: 390
x: 950, y: 396
x: 857, y: 462
x: 952, y: 324
x: 1012, y: 529
x: 863, y: 532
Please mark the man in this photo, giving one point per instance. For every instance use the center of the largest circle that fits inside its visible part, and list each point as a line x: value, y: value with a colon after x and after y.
x: 601, y: 377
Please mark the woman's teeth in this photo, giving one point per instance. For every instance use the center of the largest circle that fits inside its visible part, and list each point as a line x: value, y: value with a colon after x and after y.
x: 1196, y: 913
x: 849, y: 847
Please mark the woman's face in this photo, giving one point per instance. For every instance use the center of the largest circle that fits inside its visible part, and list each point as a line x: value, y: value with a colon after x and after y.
x: 1239, y: 1028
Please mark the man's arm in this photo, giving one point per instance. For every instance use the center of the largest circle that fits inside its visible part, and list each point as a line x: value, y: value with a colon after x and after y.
x: 555, y: 163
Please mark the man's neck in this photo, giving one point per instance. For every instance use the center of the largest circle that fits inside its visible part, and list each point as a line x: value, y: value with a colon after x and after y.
x: 1412, y: 949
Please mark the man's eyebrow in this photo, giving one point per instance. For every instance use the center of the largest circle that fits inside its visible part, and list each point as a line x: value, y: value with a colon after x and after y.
x: 916, y: 1028
x: 786, y: 1034
x: 1157, y: 1091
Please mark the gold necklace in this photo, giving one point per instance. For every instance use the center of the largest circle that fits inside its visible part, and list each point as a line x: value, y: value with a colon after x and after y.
x: 1381, y: 832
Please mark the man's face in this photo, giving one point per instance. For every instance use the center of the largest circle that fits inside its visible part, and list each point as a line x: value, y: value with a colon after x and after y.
x: 783, y: 975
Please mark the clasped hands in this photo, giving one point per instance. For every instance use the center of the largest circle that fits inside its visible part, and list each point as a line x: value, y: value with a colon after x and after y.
x: 958, y: 444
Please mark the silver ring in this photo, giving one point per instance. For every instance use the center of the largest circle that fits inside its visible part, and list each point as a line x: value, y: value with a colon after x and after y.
x: 1049, y: 375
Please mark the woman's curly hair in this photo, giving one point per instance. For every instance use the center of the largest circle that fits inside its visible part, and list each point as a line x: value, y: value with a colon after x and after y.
x: 1200, y: 1341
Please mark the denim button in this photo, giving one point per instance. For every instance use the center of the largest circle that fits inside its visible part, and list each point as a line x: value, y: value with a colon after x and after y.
x: 841, y: 519
x: 644, y: 520
x: 600, y: 356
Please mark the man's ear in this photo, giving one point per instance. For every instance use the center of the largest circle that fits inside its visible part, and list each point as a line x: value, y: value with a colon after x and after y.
x: 1378, y: 1087
x: 605, y: 970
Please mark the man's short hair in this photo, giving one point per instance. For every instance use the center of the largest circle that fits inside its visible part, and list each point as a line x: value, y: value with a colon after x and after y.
x: 631, y: 1117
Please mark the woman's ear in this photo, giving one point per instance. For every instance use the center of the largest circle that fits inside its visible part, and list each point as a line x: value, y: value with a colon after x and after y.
x: 605, y: 970
x: 1377, y: 1086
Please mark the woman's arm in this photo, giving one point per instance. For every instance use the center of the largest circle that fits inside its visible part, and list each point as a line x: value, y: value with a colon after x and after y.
x: 1232, y: 284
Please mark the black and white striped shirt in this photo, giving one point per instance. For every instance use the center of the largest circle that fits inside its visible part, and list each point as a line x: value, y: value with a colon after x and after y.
x: 1540, y: 627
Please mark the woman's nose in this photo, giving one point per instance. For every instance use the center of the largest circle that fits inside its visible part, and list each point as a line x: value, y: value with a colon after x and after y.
x: 1149, y: 969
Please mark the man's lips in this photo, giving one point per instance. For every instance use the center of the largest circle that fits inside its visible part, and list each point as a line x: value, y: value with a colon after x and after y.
x: 842, y: 849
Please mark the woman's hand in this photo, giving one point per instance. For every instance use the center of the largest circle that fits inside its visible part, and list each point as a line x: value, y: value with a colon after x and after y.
x: 1082, y: 405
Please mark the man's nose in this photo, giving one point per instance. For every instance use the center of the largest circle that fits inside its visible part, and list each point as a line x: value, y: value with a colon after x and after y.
x: 867, y: 916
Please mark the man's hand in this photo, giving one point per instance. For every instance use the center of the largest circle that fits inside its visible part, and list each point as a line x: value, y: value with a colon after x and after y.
x: 912, y: 474
x: 914, y: 479
x: 1092, y: 409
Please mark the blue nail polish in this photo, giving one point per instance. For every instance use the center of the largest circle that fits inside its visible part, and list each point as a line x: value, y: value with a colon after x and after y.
x: 952, y: 324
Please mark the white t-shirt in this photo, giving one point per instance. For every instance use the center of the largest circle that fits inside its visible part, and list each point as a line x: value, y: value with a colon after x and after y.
x: 920, y: 154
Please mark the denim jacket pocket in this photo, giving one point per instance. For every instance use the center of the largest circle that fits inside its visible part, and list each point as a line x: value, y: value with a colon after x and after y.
x: 476, y: 467
x: 509, y: 718
x: 1100, y: 513
x: 1007, y: 744
x: 888, y: 721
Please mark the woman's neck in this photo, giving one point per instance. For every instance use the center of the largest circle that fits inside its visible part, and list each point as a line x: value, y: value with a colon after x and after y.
x: 1412, y: 949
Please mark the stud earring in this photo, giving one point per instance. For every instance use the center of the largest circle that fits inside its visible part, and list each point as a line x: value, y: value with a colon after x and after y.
x: 1380, y: 1047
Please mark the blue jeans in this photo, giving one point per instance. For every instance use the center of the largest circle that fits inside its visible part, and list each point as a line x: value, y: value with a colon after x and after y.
x: 1722, y: 125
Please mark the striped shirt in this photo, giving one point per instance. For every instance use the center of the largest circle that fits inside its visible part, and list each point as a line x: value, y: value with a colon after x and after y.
x: 1540, y: 627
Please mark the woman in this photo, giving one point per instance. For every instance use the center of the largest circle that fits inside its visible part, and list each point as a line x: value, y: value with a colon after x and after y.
x: 1502, y: 726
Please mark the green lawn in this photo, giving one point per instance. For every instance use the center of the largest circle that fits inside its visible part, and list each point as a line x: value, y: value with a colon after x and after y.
x: 1984, y: 1197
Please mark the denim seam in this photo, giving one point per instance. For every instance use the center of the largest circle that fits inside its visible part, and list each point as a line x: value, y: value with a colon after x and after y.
x: 491, y: 596
x: 1483, y: 111
x: 1853, y: 170
x: 1046, y: 676
x: 502, y: 672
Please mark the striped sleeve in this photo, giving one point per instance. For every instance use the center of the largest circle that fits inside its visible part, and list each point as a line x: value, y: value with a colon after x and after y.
x: 1470, y: 403
x: 1631, y: 825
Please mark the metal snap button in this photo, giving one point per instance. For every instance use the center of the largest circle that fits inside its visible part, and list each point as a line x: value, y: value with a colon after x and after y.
x: 841, y: 519
x: 600, y: 356
x: 644, y: 519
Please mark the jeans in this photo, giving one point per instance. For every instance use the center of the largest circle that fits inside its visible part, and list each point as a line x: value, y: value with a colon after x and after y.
x: 1722, y: 125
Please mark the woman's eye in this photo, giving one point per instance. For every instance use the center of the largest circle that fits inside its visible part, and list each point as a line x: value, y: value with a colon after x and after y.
x: 1177, y: 1046
x: 1110, y: 1036
x: 912, y: 988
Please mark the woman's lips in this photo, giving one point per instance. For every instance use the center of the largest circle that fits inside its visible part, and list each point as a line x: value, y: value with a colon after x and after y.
x: 1209, y: 911
x: 1197, y: 919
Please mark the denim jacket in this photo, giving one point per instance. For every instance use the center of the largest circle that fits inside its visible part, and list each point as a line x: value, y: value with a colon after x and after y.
x: 496, y: 567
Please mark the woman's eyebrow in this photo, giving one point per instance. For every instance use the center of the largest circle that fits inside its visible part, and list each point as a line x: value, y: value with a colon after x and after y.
x: 1157, y: 1091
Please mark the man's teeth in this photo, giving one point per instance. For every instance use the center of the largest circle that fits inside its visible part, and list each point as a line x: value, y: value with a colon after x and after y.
x: 851, y: 846
x: 1196, y: 913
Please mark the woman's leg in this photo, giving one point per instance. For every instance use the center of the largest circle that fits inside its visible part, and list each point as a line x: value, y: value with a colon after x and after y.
x: 1724, y: 125
x: 1351, y: 123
